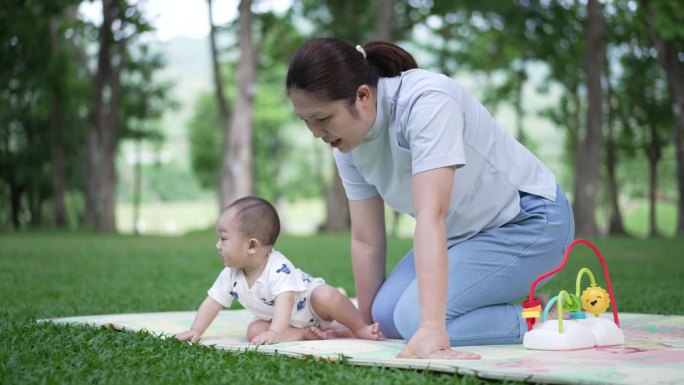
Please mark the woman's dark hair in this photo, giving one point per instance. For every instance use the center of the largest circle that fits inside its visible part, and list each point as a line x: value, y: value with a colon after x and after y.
x: 258, y: 218
x: 334, y: 69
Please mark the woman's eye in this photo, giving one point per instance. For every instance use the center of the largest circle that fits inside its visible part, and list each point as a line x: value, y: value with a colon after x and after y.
x: 323, y: 119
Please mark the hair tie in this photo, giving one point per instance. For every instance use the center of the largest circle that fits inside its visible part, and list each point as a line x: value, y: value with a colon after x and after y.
x: 360, y: 49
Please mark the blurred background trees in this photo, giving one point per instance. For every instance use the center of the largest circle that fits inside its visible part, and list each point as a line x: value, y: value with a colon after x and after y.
x: 84, y: 107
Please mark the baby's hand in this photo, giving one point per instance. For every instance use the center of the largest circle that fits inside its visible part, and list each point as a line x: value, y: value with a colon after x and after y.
x: 266, y: 338
x: 192, y: 335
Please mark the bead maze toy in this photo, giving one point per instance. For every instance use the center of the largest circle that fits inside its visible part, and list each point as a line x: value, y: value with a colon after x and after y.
x: 580, y: 331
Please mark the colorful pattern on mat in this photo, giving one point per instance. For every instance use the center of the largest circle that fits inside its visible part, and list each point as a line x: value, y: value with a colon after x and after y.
x: 653, y: 353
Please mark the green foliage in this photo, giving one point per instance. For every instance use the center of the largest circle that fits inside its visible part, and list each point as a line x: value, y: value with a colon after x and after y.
x: 161, y: 182
x: 33, y: 74
x: 54, y: 274
x: 46, y: 78
x: 205, y: 136
x: 669, y: 20
x: 282, y: 161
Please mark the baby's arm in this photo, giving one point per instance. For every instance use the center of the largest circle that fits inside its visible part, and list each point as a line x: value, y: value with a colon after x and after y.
x: 205, y: 316
x: 282, y: 312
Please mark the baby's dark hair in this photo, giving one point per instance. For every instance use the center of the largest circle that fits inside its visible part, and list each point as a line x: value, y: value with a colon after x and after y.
x: 258, y: 219
x: 334, y: 69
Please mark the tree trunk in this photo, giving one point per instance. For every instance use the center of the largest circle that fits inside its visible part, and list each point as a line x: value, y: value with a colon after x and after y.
x: 57, y: 145
x: 653, y: 153
x: 101, y: 140
x: 105, y: 107
x: 615, y: 223
x: 337, y: 207
x: 91, y: 180
x: 222, y: 102
x: 15, y: 201
x: 518, y: 105
x: 94, y: 138
x: 137, y: 185
x: 385, y: 17
x: 237, y: 176
x: 668, y: 52
x: 110, y: 138
x: 587, y: 171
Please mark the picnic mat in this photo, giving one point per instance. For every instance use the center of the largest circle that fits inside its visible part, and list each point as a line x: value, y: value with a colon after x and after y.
x: 652, y: 354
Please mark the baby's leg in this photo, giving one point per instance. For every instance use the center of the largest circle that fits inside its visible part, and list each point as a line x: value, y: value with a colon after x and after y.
x: 331, y: 305
x: 290, y: 334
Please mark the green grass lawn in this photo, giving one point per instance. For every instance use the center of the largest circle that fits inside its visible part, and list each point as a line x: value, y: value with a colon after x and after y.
x: 47, y: 274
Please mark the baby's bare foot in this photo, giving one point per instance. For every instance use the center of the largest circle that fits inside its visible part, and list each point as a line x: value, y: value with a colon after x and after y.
x: 318, y: 333
x: 303, y: 334
x: 368, y: 332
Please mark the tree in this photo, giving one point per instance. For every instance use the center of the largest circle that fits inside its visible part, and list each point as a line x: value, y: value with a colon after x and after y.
x: 237, y: 165
x: 56, y: 121
x: 665, y: 23
x: 615, y: 222
x: 645, y: 111
x: 221, y: 101
x: 143, y: 102
x: 35, y: 70
x: 122, y: 24
x: 587, y: 174
x: 282, y: 162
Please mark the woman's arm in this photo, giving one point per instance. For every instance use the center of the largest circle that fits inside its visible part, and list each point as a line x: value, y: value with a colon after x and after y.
x: 431, y: 197
x: 368, y: 250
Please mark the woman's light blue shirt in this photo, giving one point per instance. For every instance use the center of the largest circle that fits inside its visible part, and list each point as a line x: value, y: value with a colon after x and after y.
x: 427, y: 121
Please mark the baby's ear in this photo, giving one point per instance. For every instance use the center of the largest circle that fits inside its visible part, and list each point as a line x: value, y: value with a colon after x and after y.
x: 253, y: 245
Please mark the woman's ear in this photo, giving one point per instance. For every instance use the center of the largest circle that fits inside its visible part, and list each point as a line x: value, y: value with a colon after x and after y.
x: 253, y: 245
x: 363, y: 94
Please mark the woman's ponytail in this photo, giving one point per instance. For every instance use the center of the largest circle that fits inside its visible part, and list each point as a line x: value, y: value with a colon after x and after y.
x: 334, y: 69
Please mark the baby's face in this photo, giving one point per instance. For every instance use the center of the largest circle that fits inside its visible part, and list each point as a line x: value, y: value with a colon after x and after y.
x: 232, y: 245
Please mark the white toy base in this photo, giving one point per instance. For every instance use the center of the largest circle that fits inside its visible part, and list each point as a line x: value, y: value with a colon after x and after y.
x: 577, y: 334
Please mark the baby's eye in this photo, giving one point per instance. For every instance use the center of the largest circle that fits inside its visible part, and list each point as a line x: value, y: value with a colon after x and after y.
x: 323, y: 119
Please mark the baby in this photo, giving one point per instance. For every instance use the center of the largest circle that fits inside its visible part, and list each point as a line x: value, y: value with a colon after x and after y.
x: 288, y: 304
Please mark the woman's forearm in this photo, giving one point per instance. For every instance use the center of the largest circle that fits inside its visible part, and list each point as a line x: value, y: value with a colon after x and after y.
x: 368, y: 265
x: 431, y: 198
x: 368, y: 250
x: 430, y: 258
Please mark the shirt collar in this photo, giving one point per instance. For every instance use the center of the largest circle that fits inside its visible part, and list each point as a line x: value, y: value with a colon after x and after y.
x: 382, y: 111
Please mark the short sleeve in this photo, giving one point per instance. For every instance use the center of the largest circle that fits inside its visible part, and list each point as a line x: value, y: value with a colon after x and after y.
x: 355, y: 186
x: 434, y: 131
x: 283, y: 276
x: 221, y: 290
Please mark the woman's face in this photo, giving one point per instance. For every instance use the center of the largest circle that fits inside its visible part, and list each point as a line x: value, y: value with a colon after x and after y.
x: 332, y: 121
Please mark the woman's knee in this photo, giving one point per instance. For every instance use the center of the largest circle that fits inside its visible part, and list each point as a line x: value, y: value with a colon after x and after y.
x: 382, y: 312
x: 406, y: 314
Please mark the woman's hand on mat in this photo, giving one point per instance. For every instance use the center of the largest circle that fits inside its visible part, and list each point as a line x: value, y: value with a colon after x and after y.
x: 191, y: 335
x: 266, y: 338
x: 429, y: 342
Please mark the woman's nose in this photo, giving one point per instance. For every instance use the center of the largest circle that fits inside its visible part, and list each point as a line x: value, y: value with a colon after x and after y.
x: 317, y: 132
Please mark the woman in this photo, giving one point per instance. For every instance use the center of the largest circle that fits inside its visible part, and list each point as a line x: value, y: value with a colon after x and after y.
x: 490, y: 216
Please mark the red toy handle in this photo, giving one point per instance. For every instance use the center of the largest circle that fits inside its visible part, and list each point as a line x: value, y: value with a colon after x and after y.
x: 532, y: 301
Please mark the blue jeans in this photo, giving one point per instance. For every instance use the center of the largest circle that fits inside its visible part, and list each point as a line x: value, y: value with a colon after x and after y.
x: 486, y: 273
